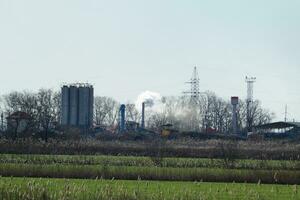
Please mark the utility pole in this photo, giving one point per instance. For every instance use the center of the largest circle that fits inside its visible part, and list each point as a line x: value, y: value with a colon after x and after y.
x: 249, y: 101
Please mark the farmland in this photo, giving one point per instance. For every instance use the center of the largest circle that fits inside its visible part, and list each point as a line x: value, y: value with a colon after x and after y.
x: 145, y: 168
x: 29, y: 188
x: 37, y: 174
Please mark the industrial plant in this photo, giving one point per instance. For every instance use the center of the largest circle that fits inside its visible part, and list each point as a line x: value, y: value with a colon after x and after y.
x: 192, y: 112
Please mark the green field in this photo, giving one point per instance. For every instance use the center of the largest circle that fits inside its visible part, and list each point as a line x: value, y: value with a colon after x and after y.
x: 29, y: 188
x: 133, y: 177
x: 150, y: 162
x: 145, y: 168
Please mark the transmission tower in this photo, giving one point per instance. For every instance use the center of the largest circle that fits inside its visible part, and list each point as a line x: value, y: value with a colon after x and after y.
x: 194, y: 82
x: 250, y: 82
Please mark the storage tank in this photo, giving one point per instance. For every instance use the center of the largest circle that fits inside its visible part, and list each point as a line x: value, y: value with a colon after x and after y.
x: 65, y: 97
x: 91, y: 112
x: 84, y: 107
x: 73, y: 105
x: 77, y: 105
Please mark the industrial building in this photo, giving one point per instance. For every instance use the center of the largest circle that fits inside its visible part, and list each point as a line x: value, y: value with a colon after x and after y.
x: 77, y: 101
x: 279, y: 128
x: 124, y: 125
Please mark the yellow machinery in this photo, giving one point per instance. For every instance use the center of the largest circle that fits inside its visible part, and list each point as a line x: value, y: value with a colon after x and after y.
x: 166, y: 130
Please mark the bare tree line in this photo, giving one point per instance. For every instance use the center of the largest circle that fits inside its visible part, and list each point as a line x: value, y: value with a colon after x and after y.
x: 43, y: 107
x: 211, y: 113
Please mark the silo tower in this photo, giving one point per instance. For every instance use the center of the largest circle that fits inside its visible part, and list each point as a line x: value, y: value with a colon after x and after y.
x: 77, y: 102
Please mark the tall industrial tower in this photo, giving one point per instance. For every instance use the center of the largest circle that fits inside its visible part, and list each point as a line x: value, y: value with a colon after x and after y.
x: 250, y: 82
x: 194, y: 92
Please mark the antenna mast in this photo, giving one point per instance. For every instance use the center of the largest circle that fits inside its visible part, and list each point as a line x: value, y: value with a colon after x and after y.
x: 285, y: 113
x: 250, y: 82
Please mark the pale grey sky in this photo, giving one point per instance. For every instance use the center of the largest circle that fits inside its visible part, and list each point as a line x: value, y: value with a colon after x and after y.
x: 127, y: 47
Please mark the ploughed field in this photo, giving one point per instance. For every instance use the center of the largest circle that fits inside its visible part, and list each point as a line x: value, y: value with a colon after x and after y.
x: 45, y: 188
x: 150, y: 168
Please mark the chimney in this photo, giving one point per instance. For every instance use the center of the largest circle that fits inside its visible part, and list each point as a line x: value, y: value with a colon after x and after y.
x: 143, y: 115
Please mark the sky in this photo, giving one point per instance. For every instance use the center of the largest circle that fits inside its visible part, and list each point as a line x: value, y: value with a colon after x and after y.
x: 125, y: 47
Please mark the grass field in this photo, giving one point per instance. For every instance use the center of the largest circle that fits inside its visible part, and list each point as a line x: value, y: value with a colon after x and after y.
x: 133, y: 168
x: 150, y: 162
x: 134, y: 177
x: 275, y: 150
x: 29, y: 188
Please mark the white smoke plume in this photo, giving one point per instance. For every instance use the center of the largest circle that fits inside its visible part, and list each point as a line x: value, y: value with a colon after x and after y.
x: 153, y: 101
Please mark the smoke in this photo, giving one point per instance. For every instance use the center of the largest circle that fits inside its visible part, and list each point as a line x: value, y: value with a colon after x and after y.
x: 153, y: 101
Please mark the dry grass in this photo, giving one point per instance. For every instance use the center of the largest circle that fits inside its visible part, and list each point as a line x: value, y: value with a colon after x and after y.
x: 173, y: 148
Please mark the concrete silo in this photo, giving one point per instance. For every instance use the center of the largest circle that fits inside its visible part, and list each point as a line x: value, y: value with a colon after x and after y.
x: 77, y: 105
x: 84, y: 119
x: 65, y: 95
x: 91, y: 105
x: 73, y: 105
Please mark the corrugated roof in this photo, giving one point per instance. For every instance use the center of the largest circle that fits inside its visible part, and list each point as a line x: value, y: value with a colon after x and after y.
x: 19, y: 115
x: 279, y: 125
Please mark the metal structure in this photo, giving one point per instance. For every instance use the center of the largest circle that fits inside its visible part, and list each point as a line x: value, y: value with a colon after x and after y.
x: 285, y: 113
x: 122, y: 113
x: 194, y: 92
x: 143, y: 115
x: 77, y: 102
x: 234, y: 103
x: 249, y: 101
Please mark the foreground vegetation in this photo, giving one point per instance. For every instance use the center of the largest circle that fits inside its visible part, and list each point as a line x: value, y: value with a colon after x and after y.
x: 150, y: 173
x: 156, y: 161
x: 29, y: 188
x: 263, y: 150
x: 150, y: 168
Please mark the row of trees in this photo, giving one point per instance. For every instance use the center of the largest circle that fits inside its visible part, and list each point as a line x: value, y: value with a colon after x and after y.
x: 43, y: 107
x: 209, y: 113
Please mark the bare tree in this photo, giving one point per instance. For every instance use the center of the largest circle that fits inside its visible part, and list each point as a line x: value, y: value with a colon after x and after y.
x: 133, y: 112
x: 47, y: 110
x: 43, y: 107
x: 211, y: 112
x: 106, y: 110
x: 21, y: 101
